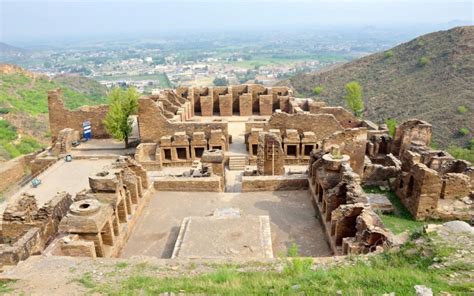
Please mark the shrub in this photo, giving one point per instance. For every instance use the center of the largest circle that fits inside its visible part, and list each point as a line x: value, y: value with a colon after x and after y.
x: 423, y: 61
x: 392, y: 125
x: 463, y: 131
x: 318, y: 90
x: 462, y: 109
x: 388, y: 54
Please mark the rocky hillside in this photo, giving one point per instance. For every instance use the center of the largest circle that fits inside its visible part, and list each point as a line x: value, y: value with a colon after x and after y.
x: 430, y: 77
x: 24, y: 106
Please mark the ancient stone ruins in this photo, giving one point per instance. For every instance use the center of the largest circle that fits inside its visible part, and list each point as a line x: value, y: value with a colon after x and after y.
x: 275, y: 170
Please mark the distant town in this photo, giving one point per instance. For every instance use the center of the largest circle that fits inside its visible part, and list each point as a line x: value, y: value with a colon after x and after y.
x: 151, y: 65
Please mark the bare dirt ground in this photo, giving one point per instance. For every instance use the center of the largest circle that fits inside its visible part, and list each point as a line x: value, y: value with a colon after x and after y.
x: 291, y: 214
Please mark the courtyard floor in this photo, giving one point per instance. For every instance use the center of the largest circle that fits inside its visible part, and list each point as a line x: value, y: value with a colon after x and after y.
x: 291, y: 213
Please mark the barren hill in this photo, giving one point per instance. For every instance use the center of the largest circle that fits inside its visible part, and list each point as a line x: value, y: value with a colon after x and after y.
x: 429, y: 77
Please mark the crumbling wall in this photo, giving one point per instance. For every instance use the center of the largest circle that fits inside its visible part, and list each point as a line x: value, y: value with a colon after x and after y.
x: 60, y: 117
x: 204, y: 184
x: 153, y: 125
x: 351, y: 142
x: 26, y: 230
x: 433, y: 185
x: 345, y: 118
x: 352, y: 227
x: 274, y: 183
x: 411, y: 131
x: 12, y: 172
x: 322, y: 125
x: 380, y: 174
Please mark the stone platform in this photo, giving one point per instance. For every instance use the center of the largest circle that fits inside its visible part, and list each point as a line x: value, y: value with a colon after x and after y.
x: 224, y: 237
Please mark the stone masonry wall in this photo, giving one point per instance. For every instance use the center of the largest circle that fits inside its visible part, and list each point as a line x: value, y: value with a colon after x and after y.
x: 11, y: 172
x: 153, y: 125
x: 323, y: 125
x: 60, y: 117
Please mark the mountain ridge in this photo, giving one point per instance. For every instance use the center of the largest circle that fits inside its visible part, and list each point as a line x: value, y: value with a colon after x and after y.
x: 429, y: 77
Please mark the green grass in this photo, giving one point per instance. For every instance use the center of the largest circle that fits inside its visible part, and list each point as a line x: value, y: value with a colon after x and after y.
x: 462, y: 153
x: 28, y: 96
x: 392, y: 271
x: 19, y: 92
x: 401, y: 219
x: 7, y: 131
x: 5, y: 286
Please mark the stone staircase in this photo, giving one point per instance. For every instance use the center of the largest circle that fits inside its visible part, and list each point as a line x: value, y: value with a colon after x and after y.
x: 237, y: 162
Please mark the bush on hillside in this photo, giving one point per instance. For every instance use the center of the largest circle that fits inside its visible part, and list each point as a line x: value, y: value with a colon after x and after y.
x: 318, y: 90
x: 423, y: 61
x: 388, y: 54
x: 462, y: 109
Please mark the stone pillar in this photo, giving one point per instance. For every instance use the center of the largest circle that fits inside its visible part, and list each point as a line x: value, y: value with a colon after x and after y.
x: 266, y: 104
x: 207, y: 105
x: 225, y: 105
x: 245, y: 104
x: 270, y: 157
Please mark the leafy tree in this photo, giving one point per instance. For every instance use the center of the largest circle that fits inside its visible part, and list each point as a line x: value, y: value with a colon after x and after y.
x: 220, y: 81
x: 122, y: 104
x: 423, y: 61
x: 392, y: 125
x: 318, y: 90
x: 354, y: 99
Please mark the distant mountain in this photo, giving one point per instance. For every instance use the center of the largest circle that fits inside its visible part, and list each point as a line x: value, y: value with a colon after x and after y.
x: 6, y: 49
x: 430, y: 77
x: 24, y: 106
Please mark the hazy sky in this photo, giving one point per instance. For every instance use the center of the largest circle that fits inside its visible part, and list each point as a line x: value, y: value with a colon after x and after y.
x: 49, y: 20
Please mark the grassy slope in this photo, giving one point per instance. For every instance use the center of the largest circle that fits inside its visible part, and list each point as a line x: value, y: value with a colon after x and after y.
x: 399, y: 87
x: 397, y: 270
x: 24, y: 107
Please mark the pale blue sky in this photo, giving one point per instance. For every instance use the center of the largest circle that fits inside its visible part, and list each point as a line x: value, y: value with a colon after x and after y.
x: 47, y: 20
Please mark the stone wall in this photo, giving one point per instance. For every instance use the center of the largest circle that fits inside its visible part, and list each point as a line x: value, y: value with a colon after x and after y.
x: 11, y: 172
x: 351, y: 142
x: 183, y: 184
x: 60, y: 117
x: 154, y: 125
x: 274, y: 183
x: 345, y: 118
x: 322, y: 125
x: 351, y: 225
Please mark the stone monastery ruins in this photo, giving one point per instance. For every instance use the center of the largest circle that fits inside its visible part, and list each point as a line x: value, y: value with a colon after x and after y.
x: 275, y: 170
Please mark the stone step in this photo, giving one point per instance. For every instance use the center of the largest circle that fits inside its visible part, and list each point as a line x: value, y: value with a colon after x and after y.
x: 237, y: 162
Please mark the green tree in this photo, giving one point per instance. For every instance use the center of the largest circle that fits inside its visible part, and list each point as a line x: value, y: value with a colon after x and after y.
x: 354, y: 99
x: 392, y: 125
x: 122, y: 104
x: 318, y: 90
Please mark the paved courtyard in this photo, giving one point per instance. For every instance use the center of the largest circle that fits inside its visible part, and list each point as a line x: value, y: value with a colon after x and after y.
x: 292, y: 219
x: 71, y: 177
